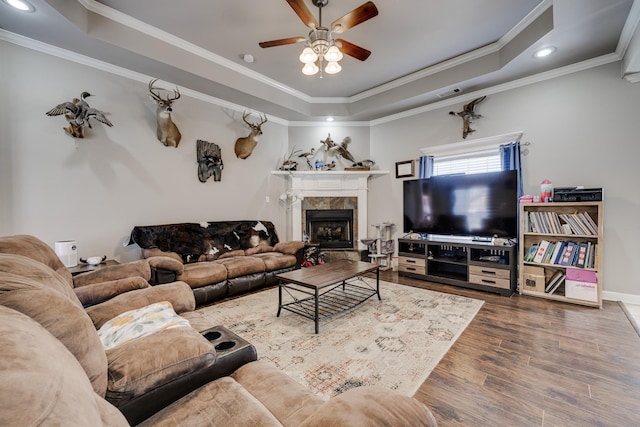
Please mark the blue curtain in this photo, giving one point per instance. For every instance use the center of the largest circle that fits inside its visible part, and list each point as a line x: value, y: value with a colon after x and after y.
x: 510, y: 160
x: 425, y: 168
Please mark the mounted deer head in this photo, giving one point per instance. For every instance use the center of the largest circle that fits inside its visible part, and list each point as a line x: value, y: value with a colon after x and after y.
x: 244, y: 146
x: 167, y: 131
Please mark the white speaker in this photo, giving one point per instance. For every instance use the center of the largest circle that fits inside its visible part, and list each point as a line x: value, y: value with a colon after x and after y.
x: 67, y: 252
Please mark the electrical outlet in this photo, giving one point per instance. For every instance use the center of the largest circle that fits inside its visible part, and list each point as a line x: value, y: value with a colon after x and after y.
x: 267, y: 199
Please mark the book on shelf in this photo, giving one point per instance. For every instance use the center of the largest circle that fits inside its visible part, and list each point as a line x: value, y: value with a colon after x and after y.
x: 582, y: 255
x: 542, y: 249
x: 531, y: 252
x: 554, y: 282
x: 557, y: 253
x: 567, y: 256
x: 589, y: 223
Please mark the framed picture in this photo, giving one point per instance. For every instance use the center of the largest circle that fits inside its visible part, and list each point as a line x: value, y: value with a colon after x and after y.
x: 404, y: 169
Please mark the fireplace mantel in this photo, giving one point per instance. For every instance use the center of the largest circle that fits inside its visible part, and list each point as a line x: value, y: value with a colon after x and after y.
x: 329, y: 184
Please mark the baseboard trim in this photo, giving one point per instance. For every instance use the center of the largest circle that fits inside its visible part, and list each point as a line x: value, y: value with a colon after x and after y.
x: 618, y: 296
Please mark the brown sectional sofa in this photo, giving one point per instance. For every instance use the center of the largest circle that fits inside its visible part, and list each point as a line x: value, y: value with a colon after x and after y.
x: 217, y: 259
x: 56, y: 371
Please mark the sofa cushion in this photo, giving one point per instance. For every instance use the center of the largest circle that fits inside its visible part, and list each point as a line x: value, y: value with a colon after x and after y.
x: 223, y: 403
x: 96, y: 293
x: 289, y: 401
x: 241, y: 266
x: 179, y: 294
x: 258, y: 249
x: 203, y: 273
x: 139, y: 323
x: 28, y: 267
x: 36, y: 249
x: 371, y: 406
x: 63, y: 317
x: 42, y: 382
x: 138, y: 268
x: 235, y: 252
x: 291, y: 247
x: 276, y: 260
x: 143, y: 364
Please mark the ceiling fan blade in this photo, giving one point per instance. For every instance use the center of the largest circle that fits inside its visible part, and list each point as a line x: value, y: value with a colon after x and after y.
x: 353, y: 50
x: 282, y: 42
x: 357, y: 16
x: 303, y: 13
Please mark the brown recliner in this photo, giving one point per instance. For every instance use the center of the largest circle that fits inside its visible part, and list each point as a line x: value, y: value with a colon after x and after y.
x: 92, y: 287
x: 139, y: 377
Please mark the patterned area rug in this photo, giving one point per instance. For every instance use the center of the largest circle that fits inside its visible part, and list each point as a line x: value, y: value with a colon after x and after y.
x: 394, y: 343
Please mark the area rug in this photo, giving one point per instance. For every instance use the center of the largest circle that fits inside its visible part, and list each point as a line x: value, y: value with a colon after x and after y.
x: 394, y: 343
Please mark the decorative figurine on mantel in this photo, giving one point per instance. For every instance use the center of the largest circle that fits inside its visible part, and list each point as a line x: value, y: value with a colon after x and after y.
x: 77, y: 112
x: 468, y: 114
x: 288, y: 164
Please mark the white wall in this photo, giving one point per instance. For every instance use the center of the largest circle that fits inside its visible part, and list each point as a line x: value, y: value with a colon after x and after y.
x: 582, y: 128
x: 94, y: 190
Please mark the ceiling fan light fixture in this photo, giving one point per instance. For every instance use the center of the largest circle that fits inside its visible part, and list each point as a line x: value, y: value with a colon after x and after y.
x: 332, y: 68
x: 310, y: 69
x: 308, y: 56
x: 333, y: 54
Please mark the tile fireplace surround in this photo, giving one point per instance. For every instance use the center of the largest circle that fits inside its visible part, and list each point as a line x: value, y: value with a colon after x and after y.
x: 330, y: 184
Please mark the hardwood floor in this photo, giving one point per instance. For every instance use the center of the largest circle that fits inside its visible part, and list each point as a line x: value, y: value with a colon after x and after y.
x: 525, y: 361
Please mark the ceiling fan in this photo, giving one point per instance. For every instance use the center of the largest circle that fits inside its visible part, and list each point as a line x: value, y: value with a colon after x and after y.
x: 320, y: 44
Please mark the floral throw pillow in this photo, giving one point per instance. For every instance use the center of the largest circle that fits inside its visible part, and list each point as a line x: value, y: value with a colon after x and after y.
x: 139, y: 323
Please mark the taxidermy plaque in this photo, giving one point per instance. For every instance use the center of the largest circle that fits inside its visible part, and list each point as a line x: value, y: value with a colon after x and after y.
x: 209, y: 161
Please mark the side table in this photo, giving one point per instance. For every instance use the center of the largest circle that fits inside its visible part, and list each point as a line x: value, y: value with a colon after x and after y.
x: 84, y: 267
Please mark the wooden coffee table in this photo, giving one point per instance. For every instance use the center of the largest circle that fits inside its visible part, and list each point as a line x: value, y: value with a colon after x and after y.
x: 325, y: 290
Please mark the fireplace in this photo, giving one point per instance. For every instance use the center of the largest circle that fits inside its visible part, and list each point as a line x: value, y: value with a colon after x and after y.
x: 330, y: 228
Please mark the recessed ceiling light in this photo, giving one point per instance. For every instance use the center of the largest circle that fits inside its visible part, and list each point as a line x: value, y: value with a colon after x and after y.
x: 545, y: 51
x: 248, y: 58
x: 329, y: 119
x: 21, y: 5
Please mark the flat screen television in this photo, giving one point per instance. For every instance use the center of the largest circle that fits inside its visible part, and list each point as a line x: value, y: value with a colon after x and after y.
x: 475, y: 205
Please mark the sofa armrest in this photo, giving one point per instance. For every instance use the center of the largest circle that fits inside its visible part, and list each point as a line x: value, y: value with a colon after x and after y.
x: 179, y: 294
x: 138, y: 268
x: 96, y: 293
x: 166, y: 263
x: 293, y: 247
x: 371, y: 406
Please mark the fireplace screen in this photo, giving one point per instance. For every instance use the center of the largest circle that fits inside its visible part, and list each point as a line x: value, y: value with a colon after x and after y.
x: 331, y: 228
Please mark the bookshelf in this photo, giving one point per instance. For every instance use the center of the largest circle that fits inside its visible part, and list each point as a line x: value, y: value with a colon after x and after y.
x: 560, y: 248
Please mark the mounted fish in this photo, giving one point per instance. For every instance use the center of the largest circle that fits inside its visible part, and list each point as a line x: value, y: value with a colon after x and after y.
x: 244, y: 146
x: 167, y: 131
x: 78, y: 113
x: 209, y: 161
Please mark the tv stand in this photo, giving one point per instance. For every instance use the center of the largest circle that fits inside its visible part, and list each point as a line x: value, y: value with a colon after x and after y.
x: 472, y: 264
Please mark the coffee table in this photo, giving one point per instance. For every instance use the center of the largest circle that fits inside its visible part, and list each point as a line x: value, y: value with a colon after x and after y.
x: 325, y: 290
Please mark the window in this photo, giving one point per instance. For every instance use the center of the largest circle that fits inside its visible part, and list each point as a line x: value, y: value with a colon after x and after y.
x: 468, y: 163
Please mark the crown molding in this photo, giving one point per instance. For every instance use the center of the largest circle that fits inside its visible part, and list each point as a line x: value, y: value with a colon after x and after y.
x: 123, y: 72
x: 120, y: 71
x: 632, y: 77
x: 525, y: 81
x: 150, y: 30
x: 126, y: 20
